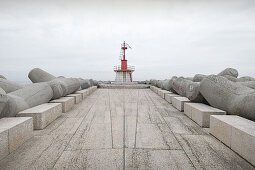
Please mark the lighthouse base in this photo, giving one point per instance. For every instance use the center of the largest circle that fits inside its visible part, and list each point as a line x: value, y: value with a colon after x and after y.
x: 123, y: 77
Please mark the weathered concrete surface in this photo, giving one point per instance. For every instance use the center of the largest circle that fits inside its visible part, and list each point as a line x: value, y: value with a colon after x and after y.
x: 189, y: 89
x: 42, y: 114
x: 92, y: 89
x: 14, y: 132
x: 84, y: 93
x: 237, y: 133
x: 229, y: 73
x: 4, y: 143
x: 162, y: 93
x: 200, y: 113
x: 123, y: 129
x: 77, y: 97
x: 85, y: 83
x: 9, y: 86
x: 178, y: 102
x: 123, y: 86
x: 27, y: 97
x: 61, y: 86
x: 226, y: 95
x: 168, y: 97
x: 67, y: 103
x: 2, y: 77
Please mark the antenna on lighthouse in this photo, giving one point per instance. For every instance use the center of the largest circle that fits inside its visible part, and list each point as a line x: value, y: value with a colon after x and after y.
x: 124, y: 71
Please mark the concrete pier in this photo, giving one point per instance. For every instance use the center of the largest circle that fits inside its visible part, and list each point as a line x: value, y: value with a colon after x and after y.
x: 123, y: 129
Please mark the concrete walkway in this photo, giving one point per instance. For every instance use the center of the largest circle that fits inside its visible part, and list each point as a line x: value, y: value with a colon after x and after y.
x: 123, y: 129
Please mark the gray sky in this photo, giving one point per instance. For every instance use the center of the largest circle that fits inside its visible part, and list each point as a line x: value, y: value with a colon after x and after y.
x: 168, y: 37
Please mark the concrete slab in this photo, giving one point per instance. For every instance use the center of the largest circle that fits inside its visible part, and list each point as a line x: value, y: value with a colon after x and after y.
x: 151, y: 87
x: 92, y: 89
x: 84, y: 93
x: 4, y: 143
x: 67, y: 103
x: 123, y: 129
x: 42, y: 114
x: 169, y: 96
x: 178, y: 102
x: 91, y: 159
x: 155, y: 136
x: 19, y: 129
x: 157, y: 159
x: 206, y: 152
x: 155, y: 89
x: 236, y: 132
x: 183, y: 125
x: 200, y: 113
x: 158, y: 91
x: 77, y: 97
x: 162, y: 93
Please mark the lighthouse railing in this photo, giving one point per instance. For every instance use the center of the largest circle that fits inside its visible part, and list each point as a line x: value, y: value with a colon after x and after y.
x: 128, y: 67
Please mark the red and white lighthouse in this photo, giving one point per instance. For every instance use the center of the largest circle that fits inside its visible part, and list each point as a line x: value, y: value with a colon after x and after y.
x: 124, y: 71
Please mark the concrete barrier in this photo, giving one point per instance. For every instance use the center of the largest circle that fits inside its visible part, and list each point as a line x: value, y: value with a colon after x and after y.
x: 42, y: 114
x: 162, y: 93
x: 236, y: 132
x: 156, y: 90
x: 178, y: 102
x: 84, y: 93
x: 14, y: 131
x: 77, y: 97
x: 151, y: 87
x: 67, y: 103
x: 92, y: 89
x: 169, y: 97
x: 200, y: 113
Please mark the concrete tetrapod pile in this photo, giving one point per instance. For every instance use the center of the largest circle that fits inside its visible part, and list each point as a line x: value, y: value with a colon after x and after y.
x: 223, y: 102
x: 34, y: 106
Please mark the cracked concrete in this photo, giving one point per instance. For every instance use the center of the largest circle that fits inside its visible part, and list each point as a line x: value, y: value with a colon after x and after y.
x: 123, y: 129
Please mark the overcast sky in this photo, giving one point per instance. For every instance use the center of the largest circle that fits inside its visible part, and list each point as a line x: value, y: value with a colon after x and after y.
x: 168, y: 37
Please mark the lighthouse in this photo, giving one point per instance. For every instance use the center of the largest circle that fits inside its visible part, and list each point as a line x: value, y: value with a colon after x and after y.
x: 124, y: 71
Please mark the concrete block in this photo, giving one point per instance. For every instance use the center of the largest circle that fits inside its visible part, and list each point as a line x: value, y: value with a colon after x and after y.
x: 156, y: 89
x: 92, y: 89
x: 151, y: 87
x: 200, y: 113
x: 243, y: 139
x: 42, y: 114
x: 169, y: 97
x: 178, y: 102
x: 84, y: 93
x: 221, y: 128
x: 77, y: 97
x: 67, y: 103
x: 4, y: 151
x: 236, y: 132
x: 188, y: 110
x: 162, y: 93
x: 19, y: 130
